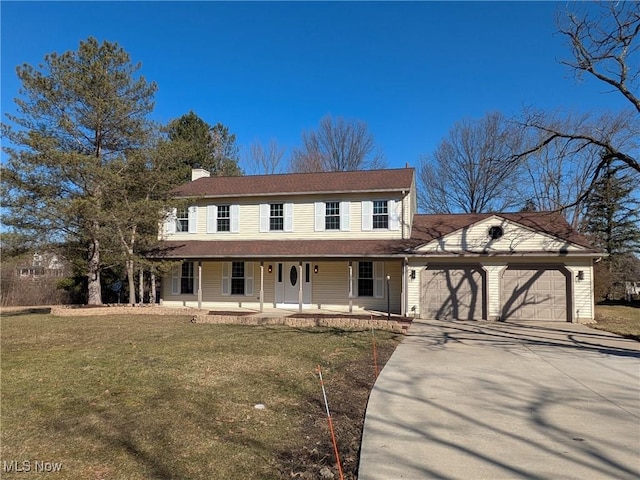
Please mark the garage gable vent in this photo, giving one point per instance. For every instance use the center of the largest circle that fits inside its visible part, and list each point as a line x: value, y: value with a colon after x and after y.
x: 495, y: 232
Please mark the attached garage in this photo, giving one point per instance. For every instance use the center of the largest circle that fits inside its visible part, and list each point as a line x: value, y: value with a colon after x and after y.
x: 452, y: 293
x: 535, y: 293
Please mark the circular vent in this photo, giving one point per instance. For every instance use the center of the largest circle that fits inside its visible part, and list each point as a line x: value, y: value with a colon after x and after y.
x: 495, y: 232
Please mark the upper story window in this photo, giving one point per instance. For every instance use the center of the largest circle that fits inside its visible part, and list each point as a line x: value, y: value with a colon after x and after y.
x: 380, y: 214
x: 223, y: 218
x: 223, y: 222
x: 182, y: 219
x: 276, y: 216
x: 332, y: 216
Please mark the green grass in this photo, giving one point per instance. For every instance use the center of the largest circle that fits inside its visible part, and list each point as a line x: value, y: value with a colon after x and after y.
x: 619, y: 319
x: 159, y: 397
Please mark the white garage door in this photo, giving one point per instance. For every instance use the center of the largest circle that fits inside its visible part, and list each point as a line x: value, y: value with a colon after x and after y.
x: 534, y: 294
x: 449, y: 293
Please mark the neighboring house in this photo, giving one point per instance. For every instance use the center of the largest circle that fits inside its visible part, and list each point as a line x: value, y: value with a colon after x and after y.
x: 42, y: 265
x: 352, y: 241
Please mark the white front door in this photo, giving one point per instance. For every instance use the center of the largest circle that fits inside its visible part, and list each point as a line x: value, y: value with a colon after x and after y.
x: 289, y: 278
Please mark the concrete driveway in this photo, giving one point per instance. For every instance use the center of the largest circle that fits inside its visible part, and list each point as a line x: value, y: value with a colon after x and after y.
x: 533, y: 400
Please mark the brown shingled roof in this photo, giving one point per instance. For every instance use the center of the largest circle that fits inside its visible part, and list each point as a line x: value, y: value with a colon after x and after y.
x: 281, y: 248
x: 430, y: 227
x: 299, y: 183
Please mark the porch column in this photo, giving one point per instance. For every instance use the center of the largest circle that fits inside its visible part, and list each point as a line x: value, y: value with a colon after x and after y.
x: 300, y: 278
x: 200, y: 284
x: 350, y: 287
x: 261, y: 287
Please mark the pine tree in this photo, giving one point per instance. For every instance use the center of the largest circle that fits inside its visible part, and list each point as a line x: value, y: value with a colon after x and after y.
x: 611, y: 221
x: 78, y: 113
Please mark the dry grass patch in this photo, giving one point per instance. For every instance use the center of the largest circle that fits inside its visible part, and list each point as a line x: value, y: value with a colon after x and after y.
x: 159, y: 397
x: 619, y: 319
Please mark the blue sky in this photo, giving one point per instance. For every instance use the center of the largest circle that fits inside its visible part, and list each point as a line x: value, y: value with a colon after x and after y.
x: 273, y: 69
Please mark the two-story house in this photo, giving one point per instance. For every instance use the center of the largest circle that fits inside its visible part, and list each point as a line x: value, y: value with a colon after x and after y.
x: 352, y: 241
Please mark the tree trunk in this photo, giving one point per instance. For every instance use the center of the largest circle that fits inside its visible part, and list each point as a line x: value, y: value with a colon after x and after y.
x: 94, y: 286
x: 141, y: 286
x: 152, y: 298
x: 132, y: 282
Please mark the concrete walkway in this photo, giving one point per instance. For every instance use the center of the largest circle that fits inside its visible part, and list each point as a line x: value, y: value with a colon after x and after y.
x: 474, y: 400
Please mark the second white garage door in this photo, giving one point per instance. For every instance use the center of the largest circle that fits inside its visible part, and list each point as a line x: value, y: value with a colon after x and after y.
x: 534, y: 294
x: 449, y: 293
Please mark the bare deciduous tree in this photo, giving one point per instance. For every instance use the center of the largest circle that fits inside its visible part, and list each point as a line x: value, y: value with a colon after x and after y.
x: 473, y: 169
x: 607, y: 48
x: 338, y: 145
x: 265, y: 160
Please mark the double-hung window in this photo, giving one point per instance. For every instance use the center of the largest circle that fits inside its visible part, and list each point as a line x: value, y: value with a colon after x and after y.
x: 276, y: 217
x: 223, y: 222
x: 380, y: 214
x: 370, y: 279
x: 332, y: 216
x: 183, y: 279
x: 182, y: 219
x: 365, y: 279
x: 237, y: 278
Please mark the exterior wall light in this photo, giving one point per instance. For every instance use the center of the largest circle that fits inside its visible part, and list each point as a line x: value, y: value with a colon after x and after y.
x: 580, y: 274
x: 413, y: 274
x: 315, y: 269
x: 270, y: 268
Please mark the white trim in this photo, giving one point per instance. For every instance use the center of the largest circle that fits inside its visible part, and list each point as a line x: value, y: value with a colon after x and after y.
x: 319, y: 214
x: 367, y: 215
x: 264, y: 217
x: 212, y: 218
x: 234, y: 213
x: 288, y: 217
x: 345, y: 216
x: 193, y: 219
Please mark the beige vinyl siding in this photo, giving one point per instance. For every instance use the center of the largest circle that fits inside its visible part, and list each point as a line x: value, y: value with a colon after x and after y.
x: 516, y: 238
x: 583, y: 303
x: 494, y: 276
x: 303, y: 219
x: 330, y: 287
x: 413, y: 288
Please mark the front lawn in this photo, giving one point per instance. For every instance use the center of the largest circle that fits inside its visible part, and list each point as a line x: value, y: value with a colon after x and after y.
x: 159, y: 397
x: 620, y: 319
